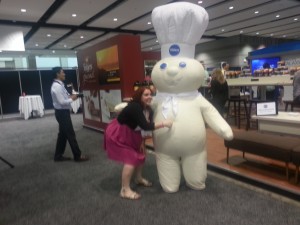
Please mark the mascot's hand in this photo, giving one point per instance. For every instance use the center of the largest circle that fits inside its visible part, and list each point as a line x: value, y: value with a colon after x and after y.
x: 118, y: 108
x: 227, y: 134
x: 168, y: 123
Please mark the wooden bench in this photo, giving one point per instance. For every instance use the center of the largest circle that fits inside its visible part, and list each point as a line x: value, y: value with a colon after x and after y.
x: 267, y: 145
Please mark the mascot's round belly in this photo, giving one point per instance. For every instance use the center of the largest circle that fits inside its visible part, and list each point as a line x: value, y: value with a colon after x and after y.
x: 187, y: 135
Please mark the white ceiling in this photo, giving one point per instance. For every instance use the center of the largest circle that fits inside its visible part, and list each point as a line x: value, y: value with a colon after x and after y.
x: 94, y: 21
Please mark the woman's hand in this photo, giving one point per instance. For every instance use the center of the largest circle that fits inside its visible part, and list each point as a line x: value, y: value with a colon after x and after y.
x: 143, y: 148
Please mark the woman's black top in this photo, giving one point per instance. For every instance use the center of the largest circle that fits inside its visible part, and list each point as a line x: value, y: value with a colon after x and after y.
x: 219, y: 91
x: 132, y: 115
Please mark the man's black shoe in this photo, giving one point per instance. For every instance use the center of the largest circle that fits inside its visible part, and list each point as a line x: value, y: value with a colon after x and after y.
x: 82, y: 158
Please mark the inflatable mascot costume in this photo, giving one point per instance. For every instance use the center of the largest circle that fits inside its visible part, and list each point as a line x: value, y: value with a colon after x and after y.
x: 177, y: 77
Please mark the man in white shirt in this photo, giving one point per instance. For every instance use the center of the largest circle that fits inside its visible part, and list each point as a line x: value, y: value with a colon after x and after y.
x: 225, y: 68
x: 62, y: 104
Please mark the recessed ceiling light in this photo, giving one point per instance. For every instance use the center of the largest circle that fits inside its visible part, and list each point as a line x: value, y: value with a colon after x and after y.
x: 256, y: 12
x: 53, y: 51
x: 36, y: 45
x: 257, y: 32
x: 149, y: 23
x: 115, y: 19
x: 231, y: 7
x: 23, y: 10
x: 284, y: 36
x: 156, y: 41
x: 295, y: 19
x: 277, y: 16
x: 223, y: 30
x: 81, y: 37
x: 48, y: 35
x: 271, y: 34
x: 74, y: 15
x: 241, y: 32
x: 65, y: 46
x: 200, y: 2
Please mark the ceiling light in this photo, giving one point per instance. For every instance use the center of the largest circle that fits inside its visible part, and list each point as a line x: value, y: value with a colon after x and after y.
x: 231, y: 7
x: 36, y: 45
x: 65, y: 46
x: 200, y: 2
x: 115, y: 19
x: 48, y: 35
x: 257, y: 32
x: 23, y: 10
x: 156, y: 41
x: 241, y: 32
x: 284, y: 36
x: 295, y: 19
x: 271, y: 34
x: 277, y: 16
x: 256, y: 12
x: 81, y: 37
x: 53, y: 51
x: 149, y: 23
x: 74, y: 15
x: 223, y: 30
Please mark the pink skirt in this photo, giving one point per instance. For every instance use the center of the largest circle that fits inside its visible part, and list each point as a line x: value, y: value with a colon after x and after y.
x: 122, y: 144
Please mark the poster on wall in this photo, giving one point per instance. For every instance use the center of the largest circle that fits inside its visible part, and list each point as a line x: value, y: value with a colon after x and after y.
x: 109, y: 99
x: 88, y: 72
x: 108, y: 65
x: 91, y: 105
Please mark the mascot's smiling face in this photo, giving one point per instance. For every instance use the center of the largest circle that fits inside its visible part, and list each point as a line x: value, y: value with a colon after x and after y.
x: 177, y: 75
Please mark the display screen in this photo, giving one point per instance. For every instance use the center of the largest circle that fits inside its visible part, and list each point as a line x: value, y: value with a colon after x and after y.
x: 258, y: 64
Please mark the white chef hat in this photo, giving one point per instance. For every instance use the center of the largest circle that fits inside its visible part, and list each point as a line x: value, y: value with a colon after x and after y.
x: 179, y: 26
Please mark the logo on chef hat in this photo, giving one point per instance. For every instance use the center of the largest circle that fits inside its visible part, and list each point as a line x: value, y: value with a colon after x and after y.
x: 174, y: 50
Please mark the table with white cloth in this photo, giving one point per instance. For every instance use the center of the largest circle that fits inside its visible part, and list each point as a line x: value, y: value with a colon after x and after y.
x: 76, y: 105
x: 283, y: 123
x: 31, y: 104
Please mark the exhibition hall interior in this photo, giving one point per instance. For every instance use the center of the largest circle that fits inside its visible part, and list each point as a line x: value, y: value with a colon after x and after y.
x: 108, y: 49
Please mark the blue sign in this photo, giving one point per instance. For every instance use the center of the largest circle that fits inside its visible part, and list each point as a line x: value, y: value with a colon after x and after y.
x: 174, y: 50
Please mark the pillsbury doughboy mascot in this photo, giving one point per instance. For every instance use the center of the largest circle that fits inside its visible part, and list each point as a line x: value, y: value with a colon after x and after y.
x: 177, y: 77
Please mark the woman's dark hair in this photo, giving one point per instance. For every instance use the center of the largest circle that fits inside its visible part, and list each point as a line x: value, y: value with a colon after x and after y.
x: 137, y: 96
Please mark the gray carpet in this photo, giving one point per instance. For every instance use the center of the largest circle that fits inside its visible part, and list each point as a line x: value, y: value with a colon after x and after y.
x: 39, y: 191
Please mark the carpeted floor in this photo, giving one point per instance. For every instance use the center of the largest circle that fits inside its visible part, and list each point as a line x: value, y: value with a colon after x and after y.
x: 39, y: 191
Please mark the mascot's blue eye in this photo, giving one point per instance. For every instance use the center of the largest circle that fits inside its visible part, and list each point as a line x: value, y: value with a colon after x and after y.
x: 163, y: 66
x: 182, y: 64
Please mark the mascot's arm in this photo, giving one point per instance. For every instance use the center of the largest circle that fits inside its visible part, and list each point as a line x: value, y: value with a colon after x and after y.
x: 214, y: 120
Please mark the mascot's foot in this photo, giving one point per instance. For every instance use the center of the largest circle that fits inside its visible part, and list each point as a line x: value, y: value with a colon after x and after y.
x: 131, y: 195
x: 198, y: 188
x: 143, y: 182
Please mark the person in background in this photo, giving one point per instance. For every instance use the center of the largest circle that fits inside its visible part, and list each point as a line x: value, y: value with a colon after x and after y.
x: 296, y: 88
x: 273, y: 93
x: 206, y: 74
x: 225, y: 68
x: 62, y: 105
x: 206, y: 82
x: 219, y: 90
x: 124, y: 142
